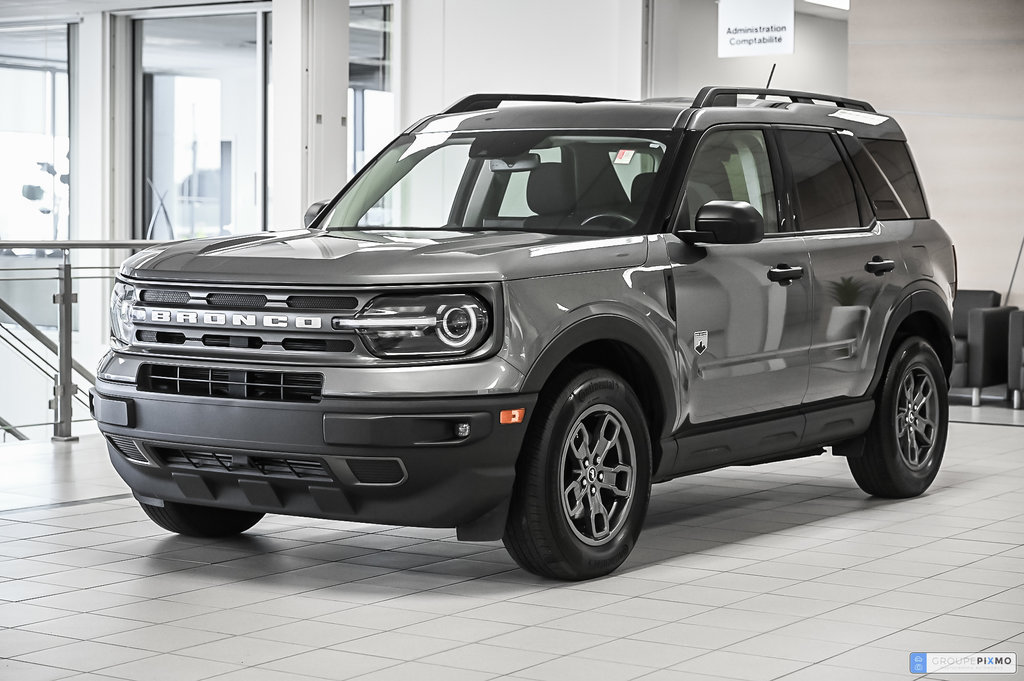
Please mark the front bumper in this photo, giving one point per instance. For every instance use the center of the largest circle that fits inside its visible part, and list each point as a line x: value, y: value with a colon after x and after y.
x: 429, y: 462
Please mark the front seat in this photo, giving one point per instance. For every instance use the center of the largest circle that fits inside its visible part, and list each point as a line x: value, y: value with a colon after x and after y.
x: 551, y: 194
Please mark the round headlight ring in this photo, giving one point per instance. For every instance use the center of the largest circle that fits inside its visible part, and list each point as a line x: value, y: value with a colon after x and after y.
x: 464, y: 316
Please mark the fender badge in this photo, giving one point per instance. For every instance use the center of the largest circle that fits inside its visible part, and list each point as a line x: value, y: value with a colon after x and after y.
x: 700, y: 341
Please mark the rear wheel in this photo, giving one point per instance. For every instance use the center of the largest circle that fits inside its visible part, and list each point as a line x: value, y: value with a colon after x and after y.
x: 907, y: 437
x: 201, y: 521
x: 583, y: 480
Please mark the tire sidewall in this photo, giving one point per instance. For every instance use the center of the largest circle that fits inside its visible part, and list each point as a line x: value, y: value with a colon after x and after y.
x: 591, y: 388
x: 912, y: 353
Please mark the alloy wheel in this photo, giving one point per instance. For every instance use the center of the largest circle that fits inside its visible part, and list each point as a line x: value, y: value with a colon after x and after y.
x: 597, y: 465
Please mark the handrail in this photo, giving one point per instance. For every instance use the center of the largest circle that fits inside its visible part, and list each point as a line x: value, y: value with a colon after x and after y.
x: 65, y: 391
x: 8, y: 427
x: 34, y: 331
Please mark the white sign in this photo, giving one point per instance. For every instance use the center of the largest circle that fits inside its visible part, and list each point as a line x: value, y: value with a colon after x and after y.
x: 748, y: 28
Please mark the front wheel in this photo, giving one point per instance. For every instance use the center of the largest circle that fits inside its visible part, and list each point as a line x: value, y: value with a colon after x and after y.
x: 583, y: 480
x: 907, y: 437
x: 201, y: 521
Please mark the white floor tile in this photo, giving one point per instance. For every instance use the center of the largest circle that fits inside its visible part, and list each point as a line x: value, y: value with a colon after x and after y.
x: 781, y: 571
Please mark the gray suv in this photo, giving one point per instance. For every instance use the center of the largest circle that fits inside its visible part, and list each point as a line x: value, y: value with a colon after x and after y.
x: 528, y: 309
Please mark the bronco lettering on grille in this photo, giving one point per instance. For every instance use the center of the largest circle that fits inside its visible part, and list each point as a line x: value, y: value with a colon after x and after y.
x: 274, y: 321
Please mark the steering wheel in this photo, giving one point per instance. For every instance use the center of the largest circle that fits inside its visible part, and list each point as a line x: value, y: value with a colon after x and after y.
x: 611, y: 220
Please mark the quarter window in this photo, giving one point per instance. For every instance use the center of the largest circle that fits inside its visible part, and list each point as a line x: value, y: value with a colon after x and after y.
x: 731, y: 165
x: 823, y: 188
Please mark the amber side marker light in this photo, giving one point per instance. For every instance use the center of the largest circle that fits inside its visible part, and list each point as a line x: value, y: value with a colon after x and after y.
x: 511, y: 416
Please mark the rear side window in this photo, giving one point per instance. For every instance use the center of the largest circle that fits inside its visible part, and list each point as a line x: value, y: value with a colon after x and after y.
x: 824, y: 191
x: 884, y: 201
x: 893, y: 159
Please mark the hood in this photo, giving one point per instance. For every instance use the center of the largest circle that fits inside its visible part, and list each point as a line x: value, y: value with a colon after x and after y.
x: 353, y: 258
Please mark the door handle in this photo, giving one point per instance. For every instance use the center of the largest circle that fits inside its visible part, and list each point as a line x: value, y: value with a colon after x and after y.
x: 877, y: 266
x: 784, y: 275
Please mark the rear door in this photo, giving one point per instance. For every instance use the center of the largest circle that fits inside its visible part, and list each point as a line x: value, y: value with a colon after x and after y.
x: 856, y: 270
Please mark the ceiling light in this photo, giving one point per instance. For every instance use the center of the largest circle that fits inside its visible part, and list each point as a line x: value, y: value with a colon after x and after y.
x: 838, y: 4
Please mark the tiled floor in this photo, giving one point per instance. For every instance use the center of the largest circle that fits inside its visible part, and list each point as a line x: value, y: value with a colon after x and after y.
x: 781, y: 571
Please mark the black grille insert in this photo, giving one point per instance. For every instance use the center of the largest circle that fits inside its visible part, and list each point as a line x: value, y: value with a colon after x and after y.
x: 317, y: 345
x: 233, y: 383
x: 303, y: 469
x: 184, y: 458
x: 127, y: 447
x: 323, y: 302
x: 170, y: 337
x: 238, y: 301
x: 253, y: 342
x: 270, y: 466
x: 151, y: 295
x: 377, y: 471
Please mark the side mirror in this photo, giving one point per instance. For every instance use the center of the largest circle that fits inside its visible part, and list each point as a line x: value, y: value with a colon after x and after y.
x: 726, y: 222
x: 313, y: 211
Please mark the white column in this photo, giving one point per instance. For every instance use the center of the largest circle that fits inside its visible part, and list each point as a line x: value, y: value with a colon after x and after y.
x: 310, y: 98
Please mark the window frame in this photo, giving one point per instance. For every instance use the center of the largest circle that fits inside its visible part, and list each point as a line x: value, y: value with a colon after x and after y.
x: 779, y: 185
x: 865, y: 212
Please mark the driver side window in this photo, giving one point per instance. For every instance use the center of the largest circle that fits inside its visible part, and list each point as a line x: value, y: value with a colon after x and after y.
x: 730, y: 165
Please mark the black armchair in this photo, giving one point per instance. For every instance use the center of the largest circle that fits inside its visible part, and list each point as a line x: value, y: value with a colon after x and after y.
x: 980, y: 336
x: 1015, y: 379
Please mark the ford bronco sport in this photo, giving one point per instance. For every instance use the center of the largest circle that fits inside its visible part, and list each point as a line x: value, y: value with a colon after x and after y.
x: 517, y: 317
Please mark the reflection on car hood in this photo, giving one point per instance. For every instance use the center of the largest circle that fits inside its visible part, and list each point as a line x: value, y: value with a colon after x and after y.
x: 382, y: 257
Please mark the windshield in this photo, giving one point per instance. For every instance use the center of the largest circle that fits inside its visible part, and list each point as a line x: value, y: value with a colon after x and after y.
x: 523, y: 180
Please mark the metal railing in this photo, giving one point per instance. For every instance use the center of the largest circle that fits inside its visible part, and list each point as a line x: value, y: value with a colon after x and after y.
x: 64, y: 389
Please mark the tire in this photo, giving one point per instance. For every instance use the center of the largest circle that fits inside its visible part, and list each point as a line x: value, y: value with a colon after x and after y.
x: 201, y: 521
x: 576, y: 512
x: 907, y: 436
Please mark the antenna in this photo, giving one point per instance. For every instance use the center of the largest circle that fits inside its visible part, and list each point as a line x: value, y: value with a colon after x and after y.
x: 768, y: 85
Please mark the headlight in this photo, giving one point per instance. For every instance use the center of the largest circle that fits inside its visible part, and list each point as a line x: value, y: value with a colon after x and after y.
x: 122, y: 300
x: 426, y: 326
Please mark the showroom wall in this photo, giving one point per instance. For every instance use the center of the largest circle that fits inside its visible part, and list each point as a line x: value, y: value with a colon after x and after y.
x: 684, y: 53
x: 950, y: 70
x: 452, y: 48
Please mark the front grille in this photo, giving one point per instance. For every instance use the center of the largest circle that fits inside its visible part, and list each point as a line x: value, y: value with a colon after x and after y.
x: 232, y: 383
x: 164, y: 297
x: 127, y: 447
x: 377, y: 471
x: 210, y: 321
x: 237, y: 301
x: 269, y: 466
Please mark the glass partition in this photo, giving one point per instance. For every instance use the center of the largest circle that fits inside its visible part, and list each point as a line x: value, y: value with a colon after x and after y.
x: 202, y: 125
x: 34, y: 167
x: 371, y: 100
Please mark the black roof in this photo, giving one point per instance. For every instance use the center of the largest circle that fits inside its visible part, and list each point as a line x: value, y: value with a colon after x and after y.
x: 711, y: 106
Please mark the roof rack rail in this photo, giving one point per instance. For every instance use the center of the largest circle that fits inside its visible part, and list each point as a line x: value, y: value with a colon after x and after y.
x: 726, y: 96
x: 481, y: 101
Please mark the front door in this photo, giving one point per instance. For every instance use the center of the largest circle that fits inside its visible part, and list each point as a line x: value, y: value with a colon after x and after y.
x: 742, y: 310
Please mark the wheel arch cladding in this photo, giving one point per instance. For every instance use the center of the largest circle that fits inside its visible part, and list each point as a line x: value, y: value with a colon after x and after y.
x: 624, y: 347
x: 922, y: 313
